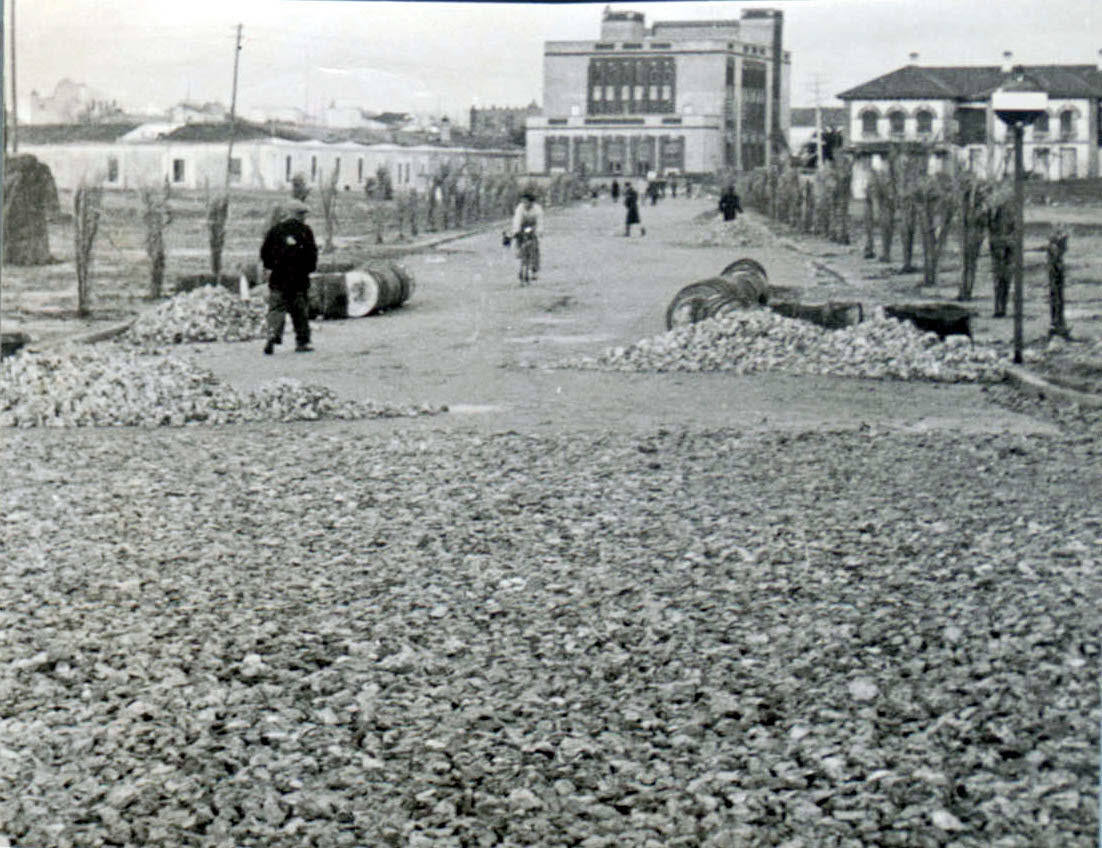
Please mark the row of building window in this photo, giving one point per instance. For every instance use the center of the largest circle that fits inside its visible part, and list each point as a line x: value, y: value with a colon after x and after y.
x: 631, y: 86
x: 924, y: 123
x: 179, y: 169
x: 635, y: 155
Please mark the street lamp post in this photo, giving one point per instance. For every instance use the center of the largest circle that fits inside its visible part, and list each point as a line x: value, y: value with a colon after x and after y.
x: 1018, y: 103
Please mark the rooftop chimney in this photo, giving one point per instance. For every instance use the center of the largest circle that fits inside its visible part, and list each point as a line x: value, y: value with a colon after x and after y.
x: 914, y: 58
x: 1007, y: 64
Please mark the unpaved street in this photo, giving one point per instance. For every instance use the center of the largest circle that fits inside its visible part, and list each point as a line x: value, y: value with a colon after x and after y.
x: 468, y: 326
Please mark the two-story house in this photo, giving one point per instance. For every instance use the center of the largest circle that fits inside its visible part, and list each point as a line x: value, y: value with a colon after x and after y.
x: 947, y: 111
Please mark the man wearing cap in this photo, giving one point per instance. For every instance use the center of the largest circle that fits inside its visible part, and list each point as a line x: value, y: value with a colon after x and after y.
x: 290, y: 254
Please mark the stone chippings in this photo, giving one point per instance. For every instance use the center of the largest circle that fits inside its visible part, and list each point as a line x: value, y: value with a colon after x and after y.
x: 207, y: 314
x: 755, y: 340
x: 114, y: 386
x: 674, y: 639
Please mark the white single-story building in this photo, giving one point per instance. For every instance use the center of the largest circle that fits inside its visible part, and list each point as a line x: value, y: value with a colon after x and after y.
x: 197, y: 156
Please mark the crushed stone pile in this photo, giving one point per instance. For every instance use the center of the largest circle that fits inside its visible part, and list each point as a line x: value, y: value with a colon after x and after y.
x: 744, y: 231
x: 115, y: 387
x: 755, y: 340
x: 208, y: 314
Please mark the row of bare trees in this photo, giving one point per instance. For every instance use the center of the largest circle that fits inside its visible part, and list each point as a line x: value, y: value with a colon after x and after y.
x: 817, y: 205
x: 456, y: 197
x: 904, y: 198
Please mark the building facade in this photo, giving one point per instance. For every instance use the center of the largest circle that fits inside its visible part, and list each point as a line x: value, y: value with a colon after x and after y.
x: 947, y: 111
x: 195, y: 157
x: 682, y: 97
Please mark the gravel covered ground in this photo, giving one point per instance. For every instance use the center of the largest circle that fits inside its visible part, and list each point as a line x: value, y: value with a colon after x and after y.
x: 317, y: 635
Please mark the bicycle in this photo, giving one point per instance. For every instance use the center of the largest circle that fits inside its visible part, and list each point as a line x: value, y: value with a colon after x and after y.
x: 528, y: 251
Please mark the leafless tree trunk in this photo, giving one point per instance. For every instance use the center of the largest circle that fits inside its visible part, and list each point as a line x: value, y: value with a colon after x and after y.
x: 156, y: 215
x: 87, y: 208
x: 329, y: 209
x: 973, y: 227
x: 217, y: 214
x: 937, y: 207
x: 1056, y: 248
x: 1001, y: 233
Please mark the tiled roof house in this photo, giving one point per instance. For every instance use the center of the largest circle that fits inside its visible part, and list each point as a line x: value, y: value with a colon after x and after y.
x: 948, y: 109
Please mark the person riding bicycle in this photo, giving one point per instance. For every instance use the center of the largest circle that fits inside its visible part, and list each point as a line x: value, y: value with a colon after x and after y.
x: 527, y: 229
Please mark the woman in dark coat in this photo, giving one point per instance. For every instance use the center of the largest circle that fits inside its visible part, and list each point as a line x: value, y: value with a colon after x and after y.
x: 615, y: 191
x: 631, y: 203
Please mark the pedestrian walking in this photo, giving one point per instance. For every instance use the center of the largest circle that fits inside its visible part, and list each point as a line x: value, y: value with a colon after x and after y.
x: 631, y: 203
x: 729, y: 203
x: 290, y: 254
x: 615, y: 191
x: 673, y: 189
x: 652, y: 193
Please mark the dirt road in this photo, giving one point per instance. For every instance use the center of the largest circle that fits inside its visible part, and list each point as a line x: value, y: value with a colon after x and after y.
x: 472, y: 339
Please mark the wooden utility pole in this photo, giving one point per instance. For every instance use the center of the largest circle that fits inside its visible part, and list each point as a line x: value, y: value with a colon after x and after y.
x: 233, y: 109
x: 14, y: 90
x: 818, y: 129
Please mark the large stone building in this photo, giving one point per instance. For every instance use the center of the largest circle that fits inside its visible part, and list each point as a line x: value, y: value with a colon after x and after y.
x: 680, y: 97
x: 947, y: 111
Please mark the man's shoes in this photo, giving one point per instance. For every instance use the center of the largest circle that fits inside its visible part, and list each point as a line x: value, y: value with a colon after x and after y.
x: 269, y: 348
x: 303, y: 348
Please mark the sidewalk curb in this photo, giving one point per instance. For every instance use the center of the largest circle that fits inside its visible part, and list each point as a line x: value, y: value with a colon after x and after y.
x: 1042, y: 388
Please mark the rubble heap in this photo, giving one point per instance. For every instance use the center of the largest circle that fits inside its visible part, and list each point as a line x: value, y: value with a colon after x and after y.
x: 115, y: 387
x: 207, y: 314
x: 754, y: 340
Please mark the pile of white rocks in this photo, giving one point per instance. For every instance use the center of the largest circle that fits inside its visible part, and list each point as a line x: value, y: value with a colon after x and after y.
x: 207, y: 314
x: 756, y: 340
x: 111, y: 386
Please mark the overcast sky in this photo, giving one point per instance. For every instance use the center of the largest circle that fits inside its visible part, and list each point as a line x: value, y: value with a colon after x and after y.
x: 419, y: 56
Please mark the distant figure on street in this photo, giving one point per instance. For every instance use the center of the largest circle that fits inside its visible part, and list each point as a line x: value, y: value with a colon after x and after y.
x: 652, y: 193
x: 290, y: 254
x: 729, y: 203
x: 615, y: 191
x: 673, y: 189
x: 527, y: 230
x: 631, y: 203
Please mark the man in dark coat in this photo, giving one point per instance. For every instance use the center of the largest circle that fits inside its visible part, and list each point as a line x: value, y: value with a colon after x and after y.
x: 291, y: 255
x: 631, y: 203
x: 729, y: 203
x: 615, y: 191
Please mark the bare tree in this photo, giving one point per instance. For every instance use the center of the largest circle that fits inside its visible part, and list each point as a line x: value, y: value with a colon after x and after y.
x: 937, y: 207
x: 329, y: 209
x: 156, y: 215
x: 973, y: 194
x: 1001, y: 229
x: 218, y: 210
x: 911, y: 171
x: 87, y: 209
x: 885, y: 187
x: 1055, y: 249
